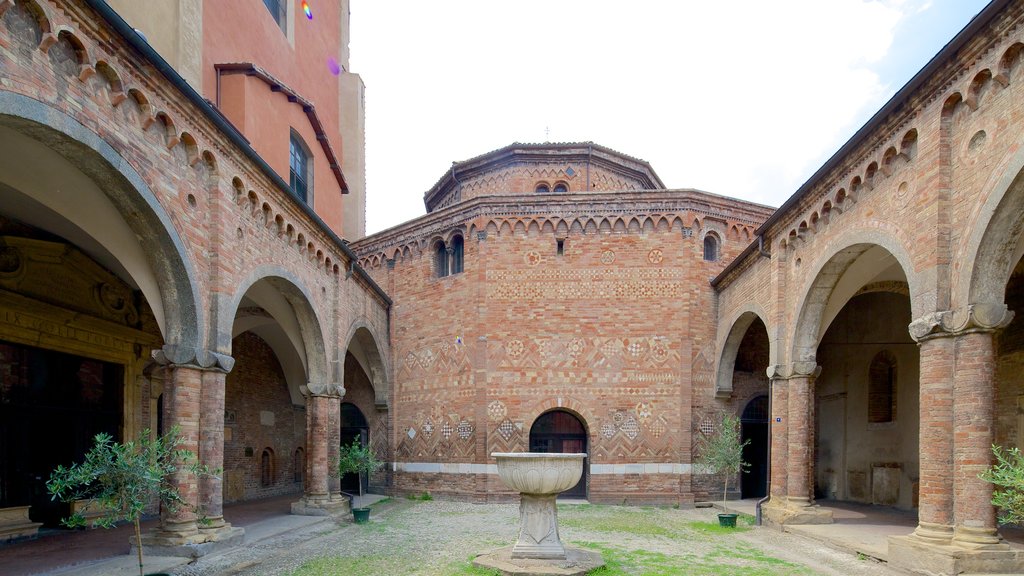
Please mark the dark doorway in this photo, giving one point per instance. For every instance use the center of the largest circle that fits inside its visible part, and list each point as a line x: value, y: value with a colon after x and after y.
x: 560, y: 431
x: 51, y: 406
x: 754, y: 431
x: 353, y: 425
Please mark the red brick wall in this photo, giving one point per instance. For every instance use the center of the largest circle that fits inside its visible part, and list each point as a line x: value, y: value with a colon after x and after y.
x: 256, y: 389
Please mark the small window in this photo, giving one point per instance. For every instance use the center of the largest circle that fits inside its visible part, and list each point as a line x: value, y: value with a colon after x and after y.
x: 300, y: 174
x: 279, y: 10
x: 561, y: 188
x: 457, y: 259
x: 267, y: 467
x: 543, y: 188
x: 882, y: 388
x: 560, y: 247
x: 299, y: 465
x: 711, y: 248
x: 441, y: 260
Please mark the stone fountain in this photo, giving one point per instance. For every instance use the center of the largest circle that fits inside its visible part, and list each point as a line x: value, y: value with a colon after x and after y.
x: 539, y: 478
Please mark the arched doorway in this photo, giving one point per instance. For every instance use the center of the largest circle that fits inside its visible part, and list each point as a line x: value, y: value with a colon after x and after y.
x: 754, y: 431
x: 354, y: 425
x: 561, y: 431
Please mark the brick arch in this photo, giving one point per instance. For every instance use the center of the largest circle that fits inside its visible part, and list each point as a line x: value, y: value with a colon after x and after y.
x: 367, y: 345
x: 994, y: 242
x: 293, y: 327
x: 730, y: 346
x: 570, y: 405
x: 150, y: 249
x: 812, y: 314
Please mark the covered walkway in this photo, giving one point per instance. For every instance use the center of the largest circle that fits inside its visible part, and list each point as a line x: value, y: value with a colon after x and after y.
x: 860, y: 528
x: 106, y: 552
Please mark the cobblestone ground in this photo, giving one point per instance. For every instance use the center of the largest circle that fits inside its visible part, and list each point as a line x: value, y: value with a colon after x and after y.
x: 440, y: 538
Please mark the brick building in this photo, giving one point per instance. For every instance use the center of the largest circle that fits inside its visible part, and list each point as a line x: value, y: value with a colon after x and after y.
x: 166, y: 259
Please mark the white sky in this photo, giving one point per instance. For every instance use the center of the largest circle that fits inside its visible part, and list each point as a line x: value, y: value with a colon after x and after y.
x: 741, y: 98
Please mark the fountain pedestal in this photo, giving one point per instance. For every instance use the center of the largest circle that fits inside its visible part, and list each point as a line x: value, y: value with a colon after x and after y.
x: 539, y: 477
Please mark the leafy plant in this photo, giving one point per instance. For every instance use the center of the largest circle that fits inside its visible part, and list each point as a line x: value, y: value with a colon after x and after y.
x: 120, y: 479
x: 358, y: 459
x: 722, y: 451
x: 1008, y: 476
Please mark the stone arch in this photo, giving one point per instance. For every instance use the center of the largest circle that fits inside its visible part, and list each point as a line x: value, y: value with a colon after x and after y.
x: 571, y: 405
x: 836, y: 277
x: 995, y: 238
x: 89, y: 191
x: 289, y: 324
x: 730, y: 346
x: 365, y: 344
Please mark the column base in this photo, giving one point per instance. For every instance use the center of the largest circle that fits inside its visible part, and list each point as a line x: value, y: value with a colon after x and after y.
x: 577, y: 562
x: 190, y: 545
x: 923, y: 556
x: 320, y: 506
x: 787, y: 513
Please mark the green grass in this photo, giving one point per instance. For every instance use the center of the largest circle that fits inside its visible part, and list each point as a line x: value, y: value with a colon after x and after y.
x: 358, y: 566
x: 735, y: 560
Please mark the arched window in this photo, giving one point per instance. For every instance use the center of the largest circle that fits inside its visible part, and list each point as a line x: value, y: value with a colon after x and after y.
x: 710, y: 247
x: 441, y: 260
x: 299, y: 465
x: 882, y: 388
x: 543, y: 188
x: 267, y: 467
x: 457, y: 258
x: 300, y: 173
x: 561, y: 188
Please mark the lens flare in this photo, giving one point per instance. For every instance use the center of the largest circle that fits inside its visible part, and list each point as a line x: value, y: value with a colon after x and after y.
x: 305, y: 8
x: 333, y: 66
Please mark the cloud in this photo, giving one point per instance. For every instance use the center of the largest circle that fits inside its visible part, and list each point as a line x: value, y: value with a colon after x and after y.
x: 743, y: 99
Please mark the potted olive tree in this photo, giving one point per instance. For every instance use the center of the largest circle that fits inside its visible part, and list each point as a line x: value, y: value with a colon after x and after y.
x: 1007, y: 474
x: 721, y: 452
x: 118, y: 480
x: 359, y: 459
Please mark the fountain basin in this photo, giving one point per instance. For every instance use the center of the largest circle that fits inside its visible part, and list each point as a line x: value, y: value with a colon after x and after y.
x: 539, y: 473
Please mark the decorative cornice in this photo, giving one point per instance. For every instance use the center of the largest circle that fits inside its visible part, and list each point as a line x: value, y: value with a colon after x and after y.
x: 177, y: 356
x: 981, y: 317
x: 794, y: 370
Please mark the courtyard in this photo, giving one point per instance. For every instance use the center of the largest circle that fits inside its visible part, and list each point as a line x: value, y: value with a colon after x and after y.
x: 431, y: 537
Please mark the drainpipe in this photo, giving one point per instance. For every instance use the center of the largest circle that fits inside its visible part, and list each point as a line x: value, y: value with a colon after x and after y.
x: 768, y: 479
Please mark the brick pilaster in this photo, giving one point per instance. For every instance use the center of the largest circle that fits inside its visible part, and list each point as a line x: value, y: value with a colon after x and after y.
x: 800, y: 454
x: 779, y: 438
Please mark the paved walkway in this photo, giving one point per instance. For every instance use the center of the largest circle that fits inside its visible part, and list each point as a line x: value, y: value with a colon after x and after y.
x: 859, y: 528
x: 102, y: 552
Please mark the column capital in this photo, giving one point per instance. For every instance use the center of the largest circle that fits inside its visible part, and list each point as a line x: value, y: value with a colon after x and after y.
x: 980, y: 317
x: 190, y: 357
x: 324, y: 389
x: 808, y: 369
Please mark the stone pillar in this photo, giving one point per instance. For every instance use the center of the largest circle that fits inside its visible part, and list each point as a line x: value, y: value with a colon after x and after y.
x: 935, y: 511
x: 792, y: 499
x: 973, y: 421
x: 211, y: 454
x: 957, y: 524
x: 191, y: 377
x: 317, y: 499
x: 333, y: 446
x: 779, y: 439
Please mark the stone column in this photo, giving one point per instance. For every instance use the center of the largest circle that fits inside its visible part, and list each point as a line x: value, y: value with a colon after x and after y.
x: 792, y: 499
x: 187, y: 373
x: 333, y: 446
x: 780, y: 438
x: 317, y: 499
x: 211, y: 454
x: 957, y: 524
x: 935, y: 511
x: 973, y: 421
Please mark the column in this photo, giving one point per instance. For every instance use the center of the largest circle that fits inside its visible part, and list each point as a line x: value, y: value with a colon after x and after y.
x: 317, y: 498
x: 334, y: 446
x: 779, y: 439
x: 935, y: 511
x: 182, y: 390
x: 211, y: 455
x: 973, y: 418
x: 800, y: 455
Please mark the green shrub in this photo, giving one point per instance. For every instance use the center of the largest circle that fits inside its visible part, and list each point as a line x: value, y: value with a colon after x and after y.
x: 1008, y: 476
